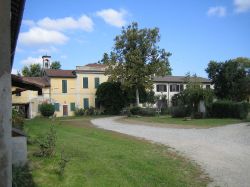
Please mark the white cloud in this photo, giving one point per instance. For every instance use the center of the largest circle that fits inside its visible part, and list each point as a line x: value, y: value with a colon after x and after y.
x: 242, y: 5
x: 219, y: 11
x: 39, y: 36
x: 113, y: 17
x: 28, y: 22
x: 31, y: 60
x: 14, y: 71
x: 84, y: 22
x: 47, y: 50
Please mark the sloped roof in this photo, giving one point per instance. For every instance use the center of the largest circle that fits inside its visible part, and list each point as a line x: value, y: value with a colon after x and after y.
x: 30, y: 83
x: 178, y: 79
x: 96, y: 65
x: 60, y: 73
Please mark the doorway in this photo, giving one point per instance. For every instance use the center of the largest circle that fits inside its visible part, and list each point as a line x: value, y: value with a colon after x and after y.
x: 65, y: 110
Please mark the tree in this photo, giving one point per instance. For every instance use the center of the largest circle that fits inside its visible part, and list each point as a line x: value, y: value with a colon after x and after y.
x: 110, y: 96
x: 136, y: 58
x: 55, y: 65
x: 33, y: 70
x: 230, y: 78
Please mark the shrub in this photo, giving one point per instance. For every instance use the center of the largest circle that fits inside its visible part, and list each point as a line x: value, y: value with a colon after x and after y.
x: 17, y: 119
x: 135, y: 110
x: 228, y: 109
x: 143, y: 111
x: 90, y: 111
x: 79, y: 112
x: 47, y: 109
x: 179, y: 111
x: 47, y: 143
x: 164, y: 111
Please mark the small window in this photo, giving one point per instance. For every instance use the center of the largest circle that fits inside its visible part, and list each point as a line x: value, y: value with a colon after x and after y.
x: 181, y: 87
x: 207, y: 86
x: 161, y: 88
x: 64, y: 86
x: 174, y: 88
x: 97, y: 82
x: 57, y: 106
x: 85, y: 82
x: 40, y: 92
x: 18, y: 94
x: 72, y: 106
x: 86, y: 103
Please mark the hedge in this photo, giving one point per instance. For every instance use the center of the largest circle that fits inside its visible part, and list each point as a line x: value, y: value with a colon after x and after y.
x: 228, y: 109
x: 143, y: 111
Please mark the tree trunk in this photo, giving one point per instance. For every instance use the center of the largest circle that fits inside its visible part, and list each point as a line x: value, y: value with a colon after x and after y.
x: 5, y: 96
x: 137, y: 97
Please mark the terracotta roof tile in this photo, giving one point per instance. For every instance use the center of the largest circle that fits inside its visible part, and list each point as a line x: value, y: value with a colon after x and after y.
x: 60, y: 73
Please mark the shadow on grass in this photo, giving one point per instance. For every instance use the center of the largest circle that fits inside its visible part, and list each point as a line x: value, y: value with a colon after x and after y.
x: 22, y: 177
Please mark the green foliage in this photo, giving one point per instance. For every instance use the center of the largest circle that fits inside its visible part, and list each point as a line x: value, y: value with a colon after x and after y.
x: 180, y: 111
x: 136, y: 58
x: 192, y: 95
x: 86, y: 112
x: 79, y: 112
x: 47, y: 109
x: 64, y: 159
x: 47, y: 143
x: 110, y: 96
x: 22, y: 177
x: 55, y: 65
x: 229, y: 109
x: 230, y: 78
x: 143, y: 111
x: 17, y: 119
x: 33, y: 70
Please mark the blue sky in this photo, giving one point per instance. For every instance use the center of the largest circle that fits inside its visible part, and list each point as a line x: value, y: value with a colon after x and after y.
x: 78, y: 32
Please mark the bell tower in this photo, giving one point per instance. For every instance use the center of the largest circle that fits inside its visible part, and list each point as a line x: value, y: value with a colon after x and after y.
x: 46, y: 61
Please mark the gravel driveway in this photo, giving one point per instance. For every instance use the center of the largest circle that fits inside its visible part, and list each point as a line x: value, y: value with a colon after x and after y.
x: 223, y: 152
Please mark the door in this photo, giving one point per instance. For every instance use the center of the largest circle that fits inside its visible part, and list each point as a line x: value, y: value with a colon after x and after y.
x: 65, y: 110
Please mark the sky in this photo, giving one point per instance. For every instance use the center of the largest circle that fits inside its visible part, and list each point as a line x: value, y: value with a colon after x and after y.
x: 78, y: 32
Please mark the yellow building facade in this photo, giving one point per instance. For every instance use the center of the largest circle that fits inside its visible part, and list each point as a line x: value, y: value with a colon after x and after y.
x: 67, y: 90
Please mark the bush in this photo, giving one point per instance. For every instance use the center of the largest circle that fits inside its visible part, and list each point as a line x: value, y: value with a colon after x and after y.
x: 164, y: 111
x: 179, y: 111
x: 21, y: 176
x: 228, y: 109
x: 47, y: 143
x: 143, y: 111
x: 17, y: 119
x: 79, y: 112
x: 47, y: 109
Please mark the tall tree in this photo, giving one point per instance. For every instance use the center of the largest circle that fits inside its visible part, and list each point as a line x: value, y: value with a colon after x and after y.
x: 55, y: 65
x: 33, y: 70
x: 136, y: 58
x: 230, y: 78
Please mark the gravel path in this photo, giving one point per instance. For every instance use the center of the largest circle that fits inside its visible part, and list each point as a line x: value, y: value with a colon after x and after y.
x: 223, y: 152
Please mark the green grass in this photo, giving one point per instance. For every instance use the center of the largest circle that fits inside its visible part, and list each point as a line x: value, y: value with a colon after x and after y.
x: 103, y: 158
x: 207, y: 122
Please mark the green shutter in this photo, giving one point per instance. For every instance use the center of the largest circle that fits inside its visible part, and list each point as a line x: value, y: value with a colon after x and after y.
x: 97, y: 82
x: 86, y: 103
x: 57, y: 107
x: 72, y: 106
x: 85, y: 82
x: 64, y: 86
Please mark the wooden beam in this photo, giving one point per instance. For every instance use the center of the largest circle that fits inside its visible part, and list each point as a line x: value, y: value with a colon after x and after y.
x: 5, y: 94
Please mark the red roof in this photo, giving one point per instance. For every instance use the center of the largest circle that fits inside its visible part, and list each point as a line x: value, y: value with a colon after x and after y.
x: 96, y: 65
x: 60, y: 73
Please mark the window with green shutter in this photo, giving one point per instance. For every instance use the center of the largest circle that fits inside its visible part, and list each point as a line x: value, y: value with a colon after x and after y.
x: 64, y: 86
x: 86, y: 103
x: 85, y: 82
x: 57, y: 106
x: 97, y: 82
x: 72, y: 106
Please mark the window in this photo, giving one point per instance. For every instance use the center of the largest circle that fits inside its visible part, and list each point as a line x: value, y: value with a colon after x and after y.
x: 18, y: 94
x: 97, y: 82
x: 181, y: 87
x: 64, y: 86
x: 85, y: 103
x: 161, y: 88
x: 174, y: 88
x: 57, y: 106
x: 207, y: 86
x: 72, y: 106
x: 85, y: 82
x: 40, y: 92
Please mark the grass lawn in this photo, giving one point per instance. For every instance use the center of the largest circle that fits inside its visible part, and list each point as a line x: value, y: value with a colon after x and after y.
x: 166, y: 119
x: 103, y: 158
